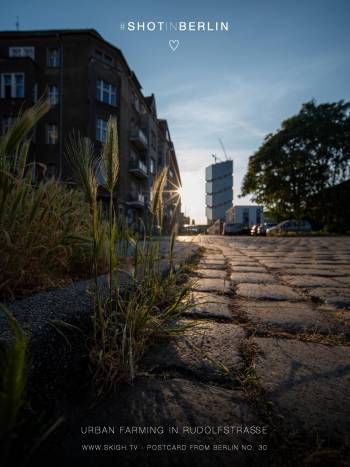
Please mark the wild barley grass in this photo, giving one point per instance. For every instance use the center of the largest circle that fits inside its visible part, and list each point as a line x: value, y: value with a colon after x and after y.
x: 126, y: 319
x: 44, y: 229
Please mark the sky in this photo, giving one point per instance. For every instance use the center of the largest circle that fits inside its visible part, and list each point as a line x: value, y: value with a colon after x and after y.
x: 237, y: 85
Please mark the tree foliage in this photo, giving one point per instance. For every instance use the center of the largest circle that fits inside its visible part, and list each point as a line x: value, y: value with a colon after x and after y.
x: 295, y: 165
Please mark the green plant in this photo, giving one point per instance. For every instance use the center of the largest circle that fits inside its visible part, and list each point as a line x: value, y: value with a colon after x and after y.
x: 126, y: 319
x: 12, y: 383
x: 44, y: 235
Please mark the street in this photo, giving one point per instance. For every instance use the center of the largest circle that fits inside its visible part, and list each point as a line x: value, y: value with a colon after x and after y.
x: 290, y: 299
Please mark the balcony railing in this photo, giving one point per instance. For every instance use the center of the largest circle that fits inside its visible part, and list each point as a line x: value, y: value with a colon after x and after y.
x: 138, y: 168
x: 138, y: 137
x: 136, y: 199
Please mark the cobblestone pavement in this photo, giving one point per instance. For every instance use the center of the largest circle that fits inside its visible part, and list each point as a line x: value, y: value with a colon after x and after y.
x: 268, y: 347
x: 289, y: 300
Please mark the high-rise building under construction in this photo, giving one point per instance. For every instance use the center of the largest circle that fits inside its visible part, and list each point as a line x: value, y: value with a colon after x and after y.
x: 219, y: 190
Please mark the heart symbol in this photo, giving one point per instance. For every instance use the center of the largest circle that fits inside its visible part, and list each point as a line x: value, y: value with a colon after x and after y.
x: 174, y: 44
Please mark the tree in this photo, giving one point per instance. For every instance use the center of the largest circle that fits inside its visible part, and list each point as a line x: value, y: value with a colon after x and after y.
x: 293, y: 168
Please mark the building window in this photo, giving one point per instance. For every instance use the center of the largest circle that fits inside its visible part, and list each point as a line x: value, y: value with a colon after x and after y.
x: 106, y: 92
x: 99, y: 54
x: 103, y: 57
x: 51, y: 134
x: 21, y: 52
x: 135, y: 102
x: 153, y: 140
x: 12, y: 85
x: 19, y: 85
x: 101, y: 130
x: 258, y: 216
x: 108, y: 59
x: 6, y: 124
x: 245, y: 219
x: 53, y: 94
x: 53, y: 57
x: 152, y: 166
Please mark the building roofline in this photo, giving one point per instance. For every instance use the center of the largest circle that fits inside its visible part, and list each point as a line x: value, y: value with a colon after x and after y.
x: 62, y: 32
x: 50, y: 32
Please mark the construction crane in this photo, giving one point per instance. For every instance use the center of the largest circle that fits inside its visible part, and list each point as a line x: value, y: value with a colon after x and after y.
x: 223, y: 148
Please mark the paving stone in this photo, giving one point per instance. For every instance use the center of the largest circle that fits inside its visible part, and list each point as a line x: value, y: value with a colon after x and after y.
x: 210, y: 306
x: 284, y: 263
x: 234, y: 256
x: 209, y: 351
x: 267, y: 292
x: 205, y: 265
x: 309, y: 383
x: 242, y: 261
x: 340, y: 298
x: 311, y: 281
x: 220, y: 260
x: 312, y: 272
x: 213, y: 258
x: 252, y: 278
x: 151, y: 402
x: 211, y: 273
x: 220, y: 286
x: 343, y: 280
x: 292, y: 317
x: 248, y: 268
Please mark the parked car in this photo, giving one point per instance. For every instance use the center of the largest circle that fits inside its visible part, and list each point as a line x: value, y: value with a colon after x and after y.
x: 254, y: 229
x: 232, y: 229
x: 236, y: 229
x: 263, y: 228
x: 290, y: 226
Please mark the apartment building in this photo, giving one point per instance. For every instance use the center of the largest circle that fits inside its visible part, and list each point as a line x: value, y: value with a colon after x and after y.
x: 87, y: 80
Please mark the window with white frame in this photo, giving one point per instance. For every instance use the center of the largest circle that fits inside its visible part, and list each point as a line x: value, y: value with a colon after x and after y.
x: 101, y: 130
x: 53, y: 57
x: 106, y: 92
x: 22, y: 52
x: 51, y: 133
x: 53, y: 94
x: 12, y: 85
x: 6, y: 124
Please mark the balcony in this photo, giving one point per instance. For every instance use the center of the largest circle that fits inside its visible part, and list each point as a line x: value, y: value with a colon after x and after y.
x: 138, y: 168
x: 136, y: 200
x: 138, y: 137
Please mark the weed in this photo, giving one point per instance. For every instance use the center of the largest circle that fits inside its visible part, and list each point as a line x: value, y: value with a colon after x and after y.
x: 12, y: 383
x: 126, y: 319
x: 43, y: 228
